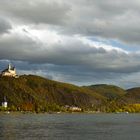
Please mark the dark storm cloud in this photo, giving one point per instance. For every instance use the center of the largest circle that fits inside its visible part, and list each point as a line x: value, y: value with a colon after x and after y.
x: 49, y: 12
x: 75, y: 53
x: 105, y: 19
x: 4, y: 26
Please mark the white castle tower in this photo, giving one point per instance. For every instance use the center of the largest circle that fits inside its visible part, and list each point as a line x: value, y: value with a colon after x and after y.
x: 10, y: 71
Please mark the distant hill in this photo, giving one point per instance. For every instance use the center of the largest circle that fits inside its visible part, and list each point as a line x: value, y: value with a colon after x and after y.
x: 111, y: 92
x: 132, y: 96
x: 29, y: 91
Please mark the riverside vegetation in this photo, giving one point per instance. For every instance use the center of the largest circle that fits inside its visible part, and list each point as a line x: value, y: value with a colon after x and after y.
x: 37, y: 94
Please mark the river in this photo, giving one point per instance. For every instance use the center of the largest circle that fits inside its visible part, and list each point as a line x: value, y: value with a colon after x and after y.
x: 18, y: 126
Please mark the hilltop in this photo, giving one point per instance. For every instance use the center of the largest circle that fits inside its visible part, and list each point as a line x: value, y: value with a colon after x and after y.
x: 132, y: 96
x: 111, y: 92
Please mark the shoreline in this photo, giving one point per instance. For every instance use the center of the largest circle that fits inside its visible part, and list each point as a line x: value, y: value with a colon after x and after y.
x: 35, y: 113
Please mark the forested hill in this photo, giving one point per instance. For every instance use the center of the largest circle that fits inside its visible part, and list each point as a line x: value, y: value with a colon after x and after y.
x: 30, y: 92
x: 111, y: 92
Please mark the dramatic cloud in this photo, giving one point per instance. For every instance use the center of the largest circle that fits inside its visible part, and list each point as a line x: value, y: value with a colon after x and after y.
x: 36, y: 11
x: 70, y: 51
x: 4, y: 26
x: 106, y: 19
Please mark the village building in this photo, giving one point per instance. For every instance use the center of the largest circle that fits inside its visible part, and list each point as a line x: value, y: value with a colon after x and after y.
x: 10, y: 72
x: 73, y: 108
x: 5, y: 103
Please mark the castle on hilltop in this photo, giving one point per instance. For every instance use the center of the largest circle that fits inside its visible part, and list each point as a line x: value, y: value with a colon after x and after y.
x: 9, y: 72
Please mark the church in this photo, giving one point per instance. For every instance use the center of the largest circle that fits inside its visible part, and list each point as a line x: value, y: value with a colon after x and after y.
x: 10, y: 72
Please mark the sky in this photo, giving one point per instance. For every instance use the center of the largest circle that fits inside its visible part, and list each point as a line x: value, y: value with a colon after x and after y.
x: 83, y: 42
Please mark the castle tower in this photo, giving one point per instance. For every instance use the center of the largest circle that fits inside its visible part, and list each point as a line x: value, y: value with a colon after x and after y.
x: 9, y: 66
x: 10, y: 71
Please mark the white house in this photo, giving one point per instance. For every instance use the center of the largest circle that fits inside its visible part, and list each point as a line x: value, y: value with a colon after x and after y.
x: 5, y: 103
x: 73, y: 108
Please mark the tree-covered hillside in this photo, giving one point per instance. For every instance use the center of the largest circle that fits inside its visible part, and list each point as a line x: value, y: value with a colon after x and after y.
x: 34, y: 93
x: 111, y: 92
x: 37, y: 92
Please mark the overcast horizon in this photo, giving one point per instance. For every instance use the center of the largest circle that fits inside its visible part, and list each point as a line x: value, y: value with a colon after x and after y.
x: 82, y: 42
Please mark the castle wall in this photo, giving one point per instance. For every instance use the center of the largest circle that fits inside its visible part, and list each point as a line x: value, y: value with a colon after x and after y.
x: 7, y: 74
x: 12, y: 72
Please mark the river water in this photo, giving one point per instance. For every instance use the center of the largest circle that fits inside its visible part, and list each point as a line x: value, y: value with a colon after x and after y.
x: 16, y: 126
